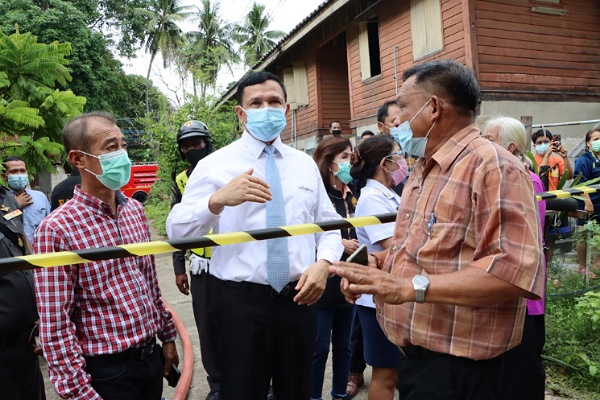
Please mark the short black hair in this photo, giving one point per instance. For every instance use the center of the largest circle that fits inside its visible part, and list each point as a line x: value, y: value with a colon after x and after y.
x: 450, y: 80
x: 256, y: 78
x: 367, y: 133
x: 75, y: 132
x: 9, y: 159
x: 333, y: 122
x: 541, y: 132
x: 383, y: 112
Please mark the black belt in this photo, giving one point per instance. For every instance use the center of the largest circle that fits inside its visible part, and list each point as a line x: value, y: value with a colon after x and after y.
x: 412, y: 352
x: 136, y: 353
x: 265, y: 290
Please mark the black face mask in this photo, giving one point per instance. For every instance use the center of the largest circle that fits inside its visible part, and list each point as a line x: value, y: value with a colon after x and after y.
x: 336, y: 133
x: 195, y: 155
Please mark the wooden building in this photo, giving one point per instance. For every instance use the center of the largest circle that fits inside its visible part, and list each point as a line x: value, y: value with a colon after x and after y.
x: 532, y: 57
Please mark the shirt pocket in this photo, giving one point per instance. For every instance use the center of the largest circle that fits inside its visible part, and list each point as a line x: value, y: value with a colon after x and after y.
x: 441, y: 246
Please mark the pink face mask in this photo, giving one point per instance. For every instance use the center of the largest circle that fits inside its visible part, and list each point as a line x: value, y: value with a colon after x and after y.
x: 399, y: 174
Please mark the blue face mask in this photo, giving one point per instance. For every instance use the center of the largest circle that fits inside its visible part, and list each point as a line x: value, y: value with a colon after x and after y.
x: 18, y: 182
x: 116, y: 169
x: 541, y: 149
x: 403, y: 135
x: 265, y: 124
x: 343, y: 172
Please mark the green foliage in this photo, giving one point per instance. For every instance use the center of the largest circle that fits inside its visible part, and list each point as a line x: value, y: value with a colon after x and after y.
x: 534, y: 165
x: 96, y: 74
x: 572, y: 348
x: 162, y: 33
x: 254, y: 37
x: 588, y: 308
x: 124, y: 28
x: 31, y: 105
x: 158, y: 205
x: 160, y: 139
x: 209, y: 48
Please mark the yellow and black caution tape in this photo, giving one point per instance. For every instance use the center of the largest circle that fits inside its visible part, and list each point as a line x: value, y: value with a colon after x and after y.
x: 564, y: 193
x: 169, y: 246
x: 221, y: 239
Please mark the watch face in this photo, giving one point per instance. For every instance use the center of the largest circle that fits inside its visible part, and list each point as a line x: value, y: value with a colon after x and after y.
x: 420, y: 281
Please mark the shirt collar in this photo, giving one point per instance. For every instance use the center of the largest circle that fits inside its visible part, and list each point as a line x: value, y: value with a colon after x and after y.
x: 446, y: 155
x: 375, y: 184
x: 256, y: 147
x: 95, y: 203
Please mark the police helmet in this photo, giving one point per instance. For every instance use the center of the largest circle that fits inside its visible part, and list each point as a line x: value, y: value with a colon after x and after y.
x: 193, y: 128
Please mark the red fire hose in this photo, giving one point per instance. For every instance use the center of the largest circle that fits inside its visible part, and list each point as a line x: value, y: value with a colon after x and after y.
x: 187, y: 371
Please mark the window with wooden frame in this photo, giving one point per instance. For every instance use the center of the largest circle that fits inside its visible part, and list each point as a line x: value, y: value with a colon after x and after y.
x: 295, y: 80
x: 426, y: 27
x: 368, y: 42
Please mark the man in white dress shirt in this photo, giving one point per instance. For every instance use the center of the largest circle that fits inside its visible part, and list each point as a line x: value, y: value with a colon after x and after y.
x: 265, y: 333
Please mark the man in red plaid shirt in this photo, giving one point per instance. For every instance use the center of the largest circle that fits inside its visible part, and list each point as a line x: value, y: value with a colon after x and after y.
x: 99, y: 320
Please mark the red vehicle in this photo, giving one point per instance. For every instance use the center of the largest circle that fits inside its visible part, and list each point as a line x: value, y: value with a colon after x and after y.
x: 143, y: 176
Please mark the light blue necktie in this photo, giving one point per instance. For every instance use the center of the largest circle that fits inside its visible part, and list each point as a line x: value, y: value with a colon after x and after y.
x: 278, y: 263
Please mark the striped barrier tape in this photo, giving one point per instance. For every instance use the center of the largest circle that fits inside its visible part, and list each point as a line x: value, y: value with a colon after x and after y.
x: 168, y: 246
x: 564, y: 193
x: 221, y: 239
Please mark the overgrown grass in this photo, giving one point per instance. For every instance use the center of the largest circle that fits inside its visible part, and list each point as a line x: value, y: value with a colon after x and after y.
x: 572, y: 350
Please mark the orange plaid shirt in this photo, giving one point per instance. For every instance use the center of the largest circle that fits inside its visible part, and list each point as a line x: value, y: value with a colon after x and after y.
x: 486, y: 217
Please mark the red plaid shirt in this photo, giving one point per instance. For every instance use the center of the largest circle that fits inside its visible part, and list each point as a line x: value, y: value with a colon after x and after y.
x: 101, y: 307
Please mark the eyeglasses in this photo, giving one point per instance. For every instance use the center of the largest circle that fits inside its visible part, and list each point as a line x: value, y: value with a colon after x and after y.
x: 397, y: 153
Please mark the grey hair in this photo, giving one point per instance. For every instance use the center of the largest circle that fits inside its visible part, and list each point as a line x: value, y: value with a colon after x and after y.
x: 510, y: 130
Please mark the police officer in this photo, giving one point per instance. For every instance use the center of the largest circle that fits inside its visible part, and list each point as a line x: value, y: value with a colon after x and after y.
x: 193, y: 140
x: 20, y: 376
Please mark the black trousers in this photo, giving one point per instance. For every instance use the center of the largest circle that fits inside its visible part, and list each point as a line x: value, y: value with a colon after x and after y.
x: 447, y: 377
x: 262, y: 338
x: 20, y: 375
x: 204, y: 302
x: 128, y: 376
x: 357, y: 362
x: 524, y: 374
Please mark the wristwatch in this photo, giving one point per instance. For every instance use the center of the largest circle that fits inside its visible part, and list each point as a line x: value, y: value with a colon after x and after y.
x: 420, y: 284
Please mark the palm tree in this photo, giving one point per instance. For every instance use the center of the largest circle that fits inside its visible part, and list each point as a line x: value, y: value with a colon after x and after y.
x: 209, y: 48
x: 162, y: 32
x: 253, y: 36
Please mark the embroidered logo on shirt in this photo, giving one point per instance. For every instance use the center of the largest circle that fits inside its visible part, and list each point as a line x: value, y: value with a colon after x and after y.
x: 305, y: 188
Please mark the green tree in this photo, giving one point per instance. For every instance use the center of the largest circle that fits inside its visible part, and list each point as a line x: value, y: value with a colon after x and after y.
x: 254, y: 38
x: 209, y: 48
x: 96, y: 74
x: 162, y: 31
x: 32, y: 73
x: 117, y: 20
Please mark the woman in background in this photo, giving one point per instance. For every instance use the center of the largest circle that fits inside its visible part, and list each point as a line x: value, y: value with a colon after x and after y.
x: 524, y: 376
x: 377, y: 165
x: 588, y: 165
x: 335, y: 317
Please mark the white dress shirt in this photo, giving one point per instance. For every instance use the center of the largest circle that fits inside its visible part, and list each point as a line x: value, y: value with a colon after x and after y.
x: 305, y: 198
x: 375, y: 199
